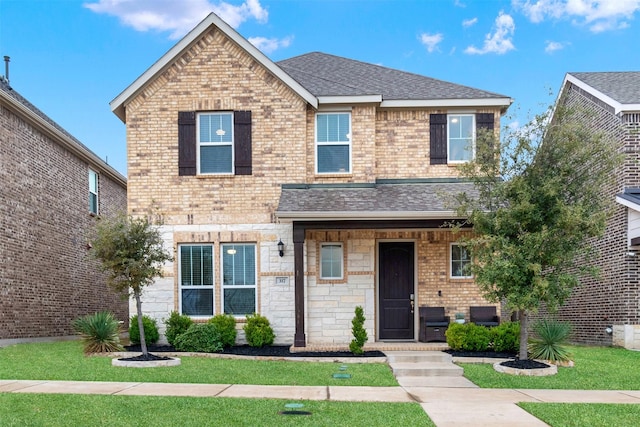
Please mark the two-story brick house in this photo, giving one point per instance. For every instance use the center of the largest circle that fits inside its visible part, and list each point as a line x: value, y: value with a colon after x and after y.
x: 303, y: 188
x: 52, y: 191
x: 606, y: 310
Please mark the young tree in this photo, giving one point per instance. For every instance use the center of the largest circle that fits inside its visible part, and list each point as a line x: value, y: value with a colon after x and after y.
x: 539, y: 199
x: 131, y: 253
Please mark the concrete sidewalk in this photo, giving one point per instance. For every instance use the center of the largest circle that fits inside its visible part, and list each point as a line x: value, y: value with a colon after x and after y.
x: 446, y: 406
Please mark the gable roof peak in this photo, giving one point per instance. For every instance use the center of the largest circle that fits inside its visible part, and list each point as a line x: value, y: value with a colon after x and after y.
x: 620, y: 89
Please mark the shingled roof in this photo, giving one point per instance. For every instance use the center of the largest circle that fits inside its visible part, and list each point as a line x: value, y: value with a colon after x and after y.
x: 623, y: 86
x: 328, y: 75
x: 393, y: 200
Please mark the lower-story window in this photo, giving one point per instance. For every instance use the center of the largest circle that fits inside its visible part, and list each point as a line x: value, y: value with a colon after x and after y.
x: 239, y: 279
x: 196, y: 280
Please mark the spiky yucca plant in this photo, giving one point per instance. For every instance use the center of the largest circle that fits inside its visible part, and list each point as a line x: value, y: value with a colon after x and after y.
x: 551, y: 334
x: 100, y: 332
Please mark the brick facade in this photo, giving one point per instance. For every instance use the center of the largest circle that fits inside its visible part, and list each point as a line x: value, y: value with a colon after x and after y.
x: 214, y: 73
x: 612, y: 298
x: 46, y: 278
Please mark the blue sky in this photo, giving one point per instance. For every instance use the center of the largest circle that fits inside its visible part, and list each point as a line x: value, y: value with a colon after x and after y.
x: 71, y: 58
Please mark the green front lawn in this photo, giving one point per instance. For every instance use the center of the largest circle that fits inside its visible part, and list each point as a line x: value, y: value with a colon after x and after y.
x: 582, y: 414
x: 596, y: 368
x: 91, y: 410
x: 65, y: 361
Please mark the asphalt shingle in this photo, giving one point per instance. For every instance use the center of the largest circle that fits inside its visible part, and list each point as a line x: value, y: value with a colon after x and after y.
x: 622, y: 86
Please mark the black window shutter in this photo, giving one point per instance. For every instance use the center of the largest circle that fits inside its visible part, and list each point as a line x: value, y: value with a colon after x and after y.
x: 484, y: 121
x: 242, y: 138
x: 438, y: 138
x: 187, y: 143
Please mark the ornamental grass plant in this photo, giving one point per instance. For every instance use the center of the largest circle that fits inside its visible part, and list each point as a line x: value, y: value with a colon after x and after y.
x: 549, y: 340
x: 100, y: 332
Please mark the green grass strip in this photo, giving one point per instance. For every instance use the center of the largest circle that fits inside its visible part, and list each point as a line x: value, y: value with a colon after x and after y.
x: 585, y: 414
x: 90, y: 410
x: 65, y: 361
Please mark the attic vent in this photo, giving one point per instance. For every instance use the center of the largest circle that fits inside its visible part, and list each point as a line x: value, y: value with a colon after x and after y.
x: 631, y: 118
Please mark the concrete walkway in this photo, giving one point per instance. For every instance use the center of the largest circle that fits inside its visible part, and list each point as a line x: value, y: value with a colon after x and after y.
x: 446, y: 406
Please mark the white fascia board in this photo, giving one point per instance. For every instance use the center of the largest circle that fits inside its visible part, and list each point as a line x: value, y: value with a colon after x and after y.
x: 617, y: 106
x: 117, y: 105
x: 445, y: 103
x: 373, y: 215
x: 356, y: 99
x: 52, y: 132
x: 628, y: 203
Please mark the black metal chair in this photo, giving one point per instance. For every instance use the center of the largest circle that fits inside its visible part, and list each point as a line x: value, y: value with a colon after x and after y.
x: 433, y: 324
x: 484, y: 316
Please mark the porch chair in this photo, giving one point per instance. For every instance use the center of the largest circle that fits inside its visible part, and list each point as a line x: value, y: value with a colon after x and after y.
x: 484, y: 316
x: 433, y: 324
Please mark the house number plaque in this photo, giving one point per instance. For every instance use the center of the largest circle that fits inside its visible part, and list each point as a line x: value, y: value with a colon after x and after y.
x: 282, y: 280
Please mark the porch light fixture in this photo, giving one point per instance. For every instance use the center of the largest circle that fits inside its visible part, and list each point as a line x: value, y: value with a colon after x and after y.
x: 281, y: 248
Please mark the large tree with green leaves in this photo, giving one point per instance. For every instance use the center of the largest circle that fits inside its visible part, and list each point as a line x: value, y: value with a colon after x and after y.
x: 539, y: 200
x: 131, y: 252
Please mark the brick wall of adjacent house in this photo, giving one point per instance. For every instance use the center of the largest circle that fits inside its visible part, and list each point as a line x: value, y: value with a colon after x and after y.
x: 216, y: 74
x: 46, y: 279
x: 612, y: 298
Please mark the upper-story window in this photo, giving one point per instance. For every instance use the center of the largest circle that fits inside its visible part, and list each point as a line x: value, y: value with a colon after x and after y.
x: 460, y: 262
x: 461, y: 138
x: 93, y: 192
x: 215, y: 143
x: 333, y: 143
x: 453, y: 136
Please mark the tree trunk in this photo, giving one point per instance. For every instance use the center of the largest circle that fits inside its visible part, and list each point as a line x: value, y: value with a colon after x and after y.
x: 143, y: 342
x: 524, y: 335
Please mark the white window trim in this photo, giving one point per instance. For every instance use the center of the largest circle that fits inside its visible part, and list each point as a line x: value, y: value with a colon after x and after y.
x: 213, y: 144
x: 348, y: 143
x: 223, y: 286
x: 341, y: 277
x: 94, y: 179
x: 213, y: 285
x: 451, y: 276
x: 473, y: 138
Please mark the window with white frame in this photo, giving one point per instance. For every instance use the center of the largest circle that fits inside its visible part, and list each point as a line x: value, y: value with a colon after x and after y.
x: 93, y: 192
x: 460, y: 141
x: 239, y: 296
x: 333, y: 143
x: 196, y: 280
x: 460, y: 261
x: 331, y: 261
x: 215, y: 143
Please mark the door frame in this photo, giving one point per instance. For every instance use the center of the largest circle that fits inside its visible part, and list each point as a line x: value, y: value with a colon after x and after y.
x: 415, y: 287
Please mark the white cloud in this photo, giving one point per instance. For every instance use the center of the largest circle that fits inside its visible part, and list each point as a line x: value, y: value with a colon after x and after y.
x: 431, y: 41
x: 552, y: 46
x: 179, y: 17
x: 598, y: 15
x: 469, y: 22
x: 269, y: 45
x: 500, y: 41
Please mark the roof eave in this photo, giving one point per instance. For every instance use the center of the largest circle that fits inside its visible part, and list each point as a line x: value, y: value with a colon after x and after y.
x: 370, y: 215
x: 466, y: 102
x: 118, y: 103
x: 355, y: 99
x: 48, y: 129
x: 617, y: 106
x: 628, y: 202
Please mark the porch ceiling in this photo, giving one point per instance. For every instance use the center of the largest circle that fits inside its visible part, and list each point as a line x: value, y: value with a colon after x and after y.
x: 374, y: 201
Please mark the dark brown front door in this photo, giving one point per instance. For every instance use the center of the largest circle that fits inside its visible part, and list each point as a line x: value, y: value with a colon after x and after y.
x: 396, y: 289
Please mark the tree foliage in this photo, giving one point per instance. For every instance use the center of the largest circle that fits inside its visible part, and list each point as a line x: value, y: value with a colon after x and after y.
x: 539, y: 199
x: 131, y: 252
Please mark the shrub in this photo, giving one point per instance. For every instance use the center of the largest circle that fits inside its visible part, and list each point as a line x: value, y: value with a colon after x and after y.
x: 258, y: 331
x: 358, y: 331
x: 176, y: 324
x: 150, y: 326
x: 200, y: 337
x: 468, y: 337
x: 100, y: 332
x: 506, y: 337
x: 551, y: 334
x: 226, y: 325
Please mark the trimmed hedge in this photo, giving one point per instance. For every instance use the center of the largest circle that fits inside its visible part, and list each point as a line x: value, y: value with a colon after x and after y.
x: 151, y: 334
x: 176, y: 324
x: 226, y: 325
x: 200, y: 337
x: 258, y: 331
x: 472, y: 337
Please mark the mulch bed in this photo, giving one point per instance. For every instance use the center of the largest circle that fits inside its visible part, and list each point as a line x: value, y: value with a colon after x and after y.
x: 273, y: 351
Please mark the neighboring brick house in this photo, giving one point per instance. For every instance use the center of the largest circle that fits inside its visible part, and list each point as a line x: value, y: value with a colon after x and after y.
x: 348, y: 164
x: 610, y: 102
x: 53, y: 189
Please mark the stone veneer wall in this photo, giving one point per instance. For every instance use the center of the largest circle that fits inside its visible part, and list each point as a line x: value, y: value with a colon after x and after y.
x: 46, y: 277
